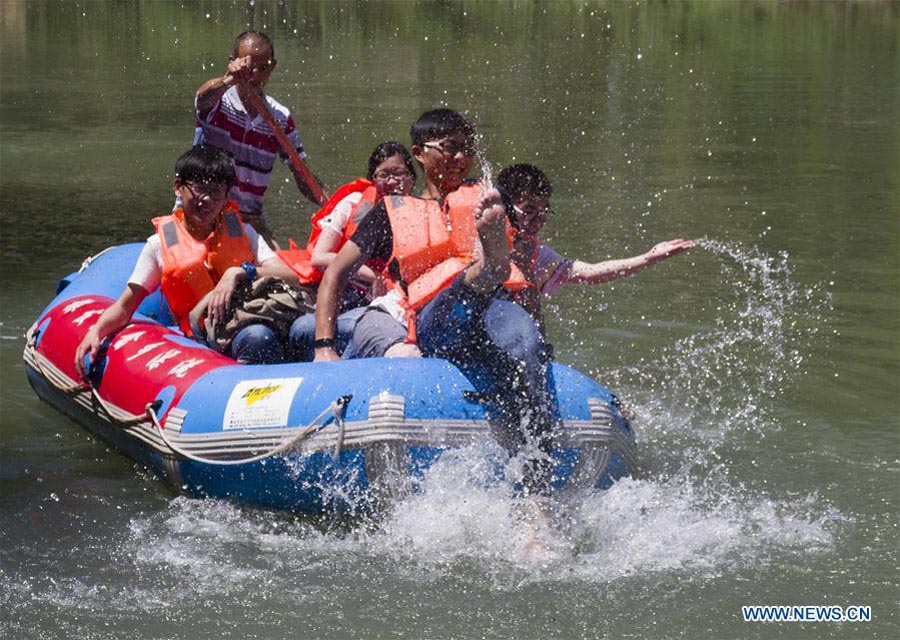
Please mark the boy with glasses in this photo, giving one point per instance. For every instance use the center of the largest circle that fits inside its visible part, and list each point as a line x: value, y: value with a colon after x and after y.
x: 449, y: 255
x: 202, y: 247
x: 529, y: 189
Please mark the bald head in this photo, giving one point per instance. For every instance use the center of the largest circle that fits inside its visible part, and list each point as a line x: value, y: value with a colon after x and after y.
x: 254, y: 52
x: 251, y: 42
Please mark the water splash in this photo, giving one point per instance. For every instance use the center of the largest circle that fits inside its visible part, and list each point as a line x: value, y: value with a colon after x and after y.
x: 686, y: 514
x: 487, y: 171
x: 638, y: 527
x: 471, y: 534
x: 726, y: 379
x: 194, y: 561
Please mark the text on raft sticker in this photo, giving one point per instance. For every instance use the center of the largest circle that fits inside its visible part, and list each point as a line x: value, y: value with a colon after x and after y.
x: 260, y: 403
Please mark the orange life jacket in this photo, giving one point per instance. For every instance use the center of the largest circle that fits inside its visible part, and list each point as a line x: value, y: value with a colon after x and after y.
x: 434, y: 243
x: 190, y: 267
x: 299, y: 259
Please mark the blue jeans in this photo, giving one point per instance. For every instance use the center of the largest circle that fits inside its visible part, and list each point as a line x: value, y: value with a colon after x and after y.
x: 256, y: 344
x: 303, y: 334
x: 499, y: 348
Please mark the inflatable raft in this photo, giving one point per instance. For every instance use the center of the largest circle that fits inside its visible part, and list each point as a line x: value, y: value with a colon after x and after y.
x: 307, y: 437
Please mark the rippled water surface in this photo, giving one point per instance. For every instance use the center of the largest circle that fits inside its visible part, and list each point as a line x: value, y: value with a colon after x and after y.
x: 763, y: 367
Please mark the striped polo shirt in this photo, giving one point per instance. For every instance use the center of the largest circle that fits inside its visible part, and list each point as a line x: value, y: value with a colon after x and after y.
x: 250, y: 143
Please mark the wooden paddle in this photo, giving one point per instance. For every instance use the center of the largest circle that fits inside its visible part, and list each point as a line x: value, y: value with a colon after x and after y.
x: 263, y: 109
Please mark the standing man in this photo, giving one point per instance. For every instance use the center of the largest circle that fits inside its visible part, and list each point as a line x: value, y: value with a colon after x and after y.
x: 228, y: 119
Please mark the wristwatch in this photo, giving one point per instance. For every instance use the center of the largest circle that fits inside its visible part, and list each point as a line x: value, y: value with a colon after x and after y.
x: 250, y: 269
x: 321, y: 343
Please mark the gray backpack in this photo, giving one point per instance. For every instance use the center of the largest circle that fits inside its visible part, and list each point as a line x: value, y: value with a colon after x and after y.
x: 268, y: 300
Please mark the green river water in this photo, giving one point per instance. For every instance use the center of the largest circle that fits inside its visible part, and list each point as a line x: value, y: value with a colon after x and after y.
x: 763, y: 366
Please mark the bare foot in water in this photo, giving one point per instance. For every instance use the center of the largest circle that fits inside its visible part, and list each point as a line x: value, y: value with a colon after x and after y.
x: 493, y: 267
x: 536, y: 547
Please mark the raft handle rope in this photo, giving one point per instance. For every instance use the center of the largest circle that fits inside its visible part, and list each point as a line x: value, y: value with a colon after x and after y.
x: 90, y: 259
x: 82, y: 387
x: 337, y: 408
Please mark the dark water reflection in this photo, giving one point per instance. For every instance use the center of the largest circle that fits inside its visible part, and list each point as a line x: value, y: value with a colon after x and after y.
x: 767, y: 378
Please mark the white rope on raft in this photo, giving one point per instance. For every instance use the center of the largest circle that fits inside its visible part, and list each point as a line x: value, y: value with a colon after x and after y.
x: 83, y: 387
x: 336, y: 408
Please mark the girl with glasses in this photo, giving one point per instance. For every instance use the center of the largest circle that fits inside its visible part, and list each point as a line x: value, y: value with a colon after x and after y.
x: 390, y: 173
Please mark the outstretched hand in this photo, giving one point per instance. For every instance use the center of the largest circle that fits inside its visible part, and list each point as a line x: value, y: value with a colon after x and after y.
x: 668, y: 249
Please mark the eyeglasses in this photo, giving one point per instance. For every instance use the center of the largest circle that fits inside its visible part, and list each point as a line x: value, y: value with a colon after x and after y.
x: 397, y: 176
x: 531, y: 216
x: 450, y: 148
x: 215, y: 190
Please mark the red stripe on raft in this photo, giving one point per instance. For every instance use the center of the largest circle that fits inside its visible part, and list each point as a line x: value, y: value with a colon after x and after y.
x: 141, y: 360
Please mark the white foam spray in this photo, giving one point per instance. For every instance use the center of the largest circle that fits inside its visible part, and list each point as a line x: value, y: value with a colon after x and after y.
x: 684, y: 512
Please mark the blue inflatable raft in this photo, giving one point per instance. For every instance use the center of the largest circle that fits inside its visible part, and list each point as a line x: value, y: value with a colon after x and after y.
x: 306, y: 437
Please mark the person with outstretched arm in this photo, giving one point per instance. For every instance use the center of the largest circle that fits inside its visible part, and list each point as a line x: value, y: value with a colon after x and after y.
x: 528, y: 189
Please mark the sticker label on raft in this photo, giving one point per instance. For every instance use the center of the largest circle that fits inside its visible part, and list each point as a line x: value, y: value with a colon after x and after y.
x: 260, y: 403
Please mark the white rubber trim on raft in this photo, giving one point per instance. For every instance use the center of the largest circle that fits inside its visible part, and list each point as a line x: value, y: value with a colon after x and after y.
x: 386, y: 424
